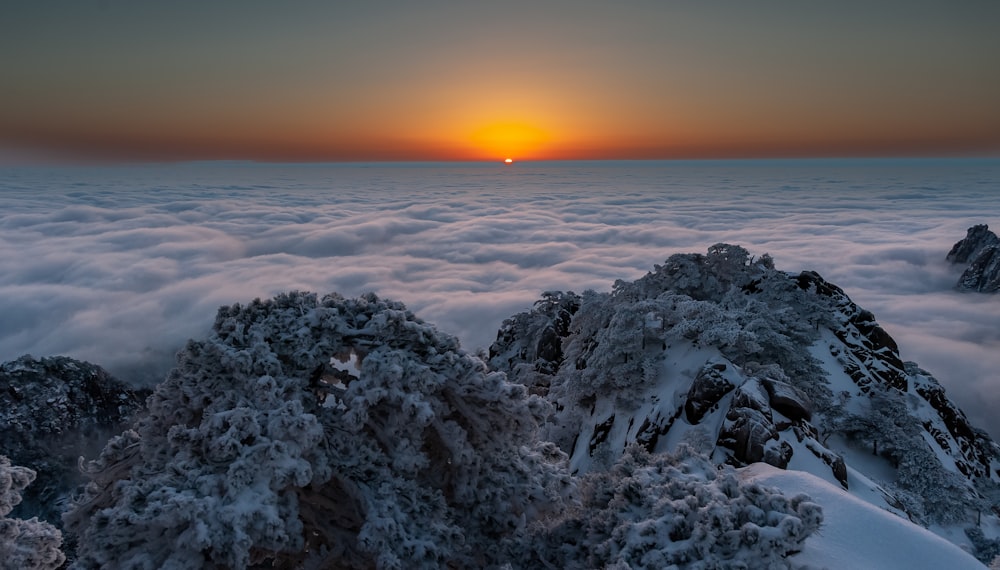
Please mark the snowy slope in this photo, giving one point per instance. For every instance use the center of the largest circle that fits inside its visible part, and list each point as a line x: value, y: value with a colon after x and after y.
x: 856, y: 534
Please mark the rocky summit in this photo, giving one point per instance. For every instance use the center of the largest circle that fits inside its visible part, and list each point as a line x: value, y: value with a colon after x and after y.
x: 980, y: 251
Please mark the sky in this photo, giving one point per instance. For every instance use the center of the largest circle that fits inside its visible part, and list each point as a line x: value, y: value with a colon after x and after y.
x: 120, y: 80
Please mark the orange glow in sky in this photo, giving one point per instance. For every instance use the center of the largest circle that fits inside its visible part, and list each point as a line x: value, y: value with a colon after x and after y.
x: 505, y: 139
x: 446, y: 81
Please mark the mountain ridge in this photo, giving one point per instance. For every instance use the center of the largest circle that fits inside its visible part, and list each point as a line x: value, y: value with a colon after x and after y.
x: 757, y: 365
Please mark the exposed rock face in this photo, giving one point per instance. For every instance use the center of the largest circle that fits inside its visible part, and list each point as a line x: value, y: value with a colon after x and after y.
x: 980, y: 249
x: 876, y: 355
x: 983, y: 274
x: 708, y: 388
x: 977, y: 238
x: 52, y: 411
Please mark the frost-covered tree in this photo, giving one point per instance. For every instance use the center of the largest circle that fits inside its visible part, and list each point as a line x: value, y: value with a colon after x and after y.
x: 883, y: 425
x: 24, y: 544
x: 748, y: 310
x: 702, y: 277
x: 610, y: 346
x: 674, y: 510
x: 928, y: 491
x: 321, y: 433
x: 546, y: 325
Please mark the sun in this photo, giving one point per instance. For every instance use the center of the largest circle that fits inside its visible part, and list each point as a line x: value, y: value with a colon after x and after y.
x: 508, y: 138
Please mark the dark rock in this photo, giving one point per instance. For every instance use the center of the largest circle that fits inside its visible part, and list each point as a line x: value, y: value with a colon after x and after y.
x: 977, y: 238
x: 708, y: 388
x: 972, y: 456
x: 788, y: 400
x: 549, y: 345
x: 536, y: 336
x: 778, y: 455
x: 601, y: 432
x: 811, y: 280
x: 983, y: 274
x: 746, y: 432
x: 980, y: 249
x: 836, y: 463
x: 876, y: 336
x: 752, y: 395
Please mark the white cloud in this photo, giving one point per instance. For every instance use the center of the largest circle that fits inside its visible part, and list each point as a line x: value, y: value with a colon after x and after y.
x: 121, y: 265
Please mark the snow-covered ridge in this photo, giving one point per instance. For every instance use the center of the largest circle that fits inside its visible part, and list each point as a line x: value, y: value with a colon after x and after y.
x: 751, y: 364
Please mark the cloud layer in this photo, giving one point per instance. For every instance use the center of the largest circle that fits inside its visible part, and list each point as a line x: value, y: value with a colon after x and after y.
x: 121, y: 265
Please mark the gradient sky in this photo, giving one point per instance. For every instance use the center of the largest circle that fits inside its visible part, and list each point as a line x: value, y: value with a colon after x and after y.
x: 143, y: 80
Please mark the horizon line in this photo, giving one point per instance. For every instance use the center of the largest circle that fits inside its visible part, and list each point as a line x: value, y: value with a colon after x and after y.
x: 77, y: 162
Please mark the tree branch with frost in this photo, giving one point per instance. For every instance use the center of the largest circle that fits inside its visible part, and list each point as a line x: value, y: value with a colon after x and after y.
x: 24, y: 544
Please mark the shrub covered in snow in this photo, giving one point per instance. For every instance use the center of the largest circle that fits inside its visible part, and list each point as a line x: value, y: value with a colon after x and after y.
x: 24, y: 544
x: 674, y: 510
x: 317, y: 433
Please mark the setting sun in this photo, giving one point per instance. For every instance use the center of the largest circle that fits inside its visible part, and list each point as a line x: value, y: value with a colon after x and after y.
x: 508, y: 161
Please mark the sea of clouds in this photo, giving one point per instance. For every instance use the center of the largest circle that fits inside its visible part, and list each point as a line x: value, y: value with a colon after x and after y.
x: 120, y: 265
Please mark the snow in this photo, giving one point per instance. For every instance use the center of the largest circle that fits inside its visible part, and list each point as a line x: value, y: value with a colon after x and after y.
x: 856, y: 534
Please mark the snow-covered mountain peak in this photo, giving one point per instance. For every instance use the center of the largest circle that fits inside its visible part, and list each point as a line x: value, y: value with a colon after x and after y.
x: 748, y: 363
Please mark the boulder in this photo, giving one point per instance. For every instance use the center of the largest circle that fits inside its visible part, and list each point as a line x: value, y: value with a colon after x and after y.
x: 747, y: 432
x: 709, y: 386
x: 788, y: 400
x: 751, y: 394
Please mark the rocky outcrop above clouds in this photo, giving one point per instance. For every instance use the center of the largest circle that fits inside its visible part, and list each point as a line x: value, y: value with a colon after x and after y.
x: 749, y: 364
x: 980, y: 249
